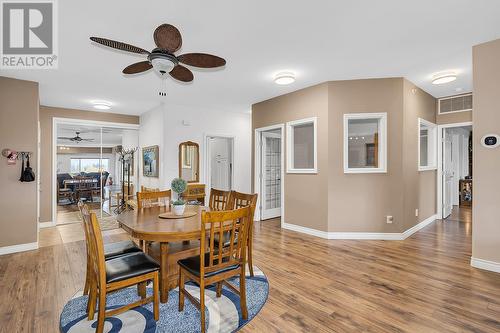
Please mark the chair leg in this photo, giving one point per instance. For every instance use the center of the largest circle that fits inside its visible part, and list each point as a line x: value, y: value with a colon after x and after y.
x: 156, y: 296
x: 243, y: 295
x: 181, y: 290
x: 92, y: 300
x: 141, y: 289
x: 102, y: 311
x: 250, y: 250
x: 202, y: 304
x: 219, y: 289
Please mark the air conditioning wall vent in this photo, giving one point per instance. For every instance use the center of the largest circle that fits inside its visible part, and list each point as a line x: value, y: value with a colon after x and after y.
x: 459, y: 103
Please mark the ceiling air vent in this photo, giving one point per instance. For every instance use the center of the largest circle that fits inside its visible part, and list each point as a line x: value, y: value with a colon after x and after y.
x: 458, y: 103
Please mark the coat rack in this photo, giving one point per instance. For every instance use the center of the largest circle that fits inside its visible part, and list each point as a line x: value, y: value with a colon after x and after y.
x: 126, y: 158
x: 12, y: 156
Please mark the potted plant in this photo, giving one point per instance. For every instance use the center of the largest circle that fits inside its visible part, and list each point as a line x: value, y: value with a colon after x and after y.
x: 179, y: 186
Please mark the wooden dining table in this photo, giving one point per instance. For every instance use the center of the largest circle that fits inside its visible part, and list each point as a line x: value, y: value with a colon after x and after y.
x: 177, y: 238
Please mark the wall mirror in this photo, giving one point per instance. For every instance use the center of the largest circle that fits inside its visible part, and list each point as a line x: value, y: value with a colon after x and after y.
x: 189, y: 161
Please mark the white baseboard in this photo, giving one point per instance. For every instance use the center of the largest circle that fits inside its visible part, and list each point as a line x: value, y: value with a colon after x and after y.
x: 47, y: 224
x: 361, y: 235
x: 485, y: 264
x: 18, y: 248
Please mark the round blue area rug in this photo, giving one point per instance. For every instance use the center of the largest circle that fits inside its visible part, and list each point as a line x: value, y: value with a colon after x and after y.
x: 222, y: 314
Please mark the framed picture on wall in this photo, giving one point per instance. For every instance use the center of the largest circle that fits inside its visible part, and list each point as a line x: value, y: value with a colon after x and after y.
x: 150, y: 161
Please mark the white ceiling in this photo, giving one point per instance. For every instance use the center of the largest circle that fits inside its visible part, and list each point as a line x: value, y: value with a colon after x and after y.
x: 319, y: 40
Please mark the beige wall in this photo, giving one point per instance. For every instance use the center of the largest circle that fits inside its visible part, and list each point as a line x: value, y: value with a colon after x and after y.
x: 18, y: 131
x: 46, y: 116
x: 306, y: 195
x: 361, y: 202
x: 486, y: 120
x: 337, y: 202
x: 456, y: 117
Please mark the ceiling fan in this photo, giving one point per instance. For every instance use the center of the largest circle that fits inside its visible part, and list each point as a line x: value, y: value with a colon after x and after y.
x: 76, y: 138
x: 162, y: 58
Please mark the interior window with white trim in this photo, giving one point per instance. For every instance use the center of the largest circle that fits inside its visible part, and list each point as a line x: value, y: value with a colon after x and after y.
x: 365, y: 142
x: 427, y: 141
x: 301, y: 146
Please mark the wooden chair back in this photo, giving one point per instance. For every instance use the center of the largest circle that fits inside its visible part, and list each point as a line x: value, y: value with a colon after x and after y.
x: 96, y: 245
x: 218, y: 199
x: 238, y: 200
x: 150, y: 199
x: 235, y: 223
x: 149, y: 189
x: 83, y: 210
x: 194, y: 192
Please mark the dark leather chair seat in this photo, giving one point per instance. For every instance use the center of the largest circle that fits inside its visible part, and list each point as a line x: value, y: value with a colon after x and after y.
x: 129, y: 266
x: 113, y: 250
x: 192, y: 265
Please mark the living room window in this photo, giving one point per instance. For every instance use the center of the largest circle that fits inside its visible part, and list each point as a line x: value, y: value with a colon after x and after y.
x: 79, y: 165
x: 301, y: 146
x: 427, y: 141
x: 365, y: 143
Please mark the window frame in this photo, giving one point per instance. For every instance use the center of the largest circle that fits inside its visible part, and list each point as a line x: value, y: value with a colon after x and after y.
x: 432, y: 130
x: 289, y: 145
x: 382, y: 152
x: 89, y: 158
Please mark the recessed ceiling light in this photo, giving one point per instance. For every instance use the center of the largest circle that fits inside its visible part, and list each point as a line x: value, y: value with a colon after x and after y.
x: 101, y: 105
x: 442, y: 78
x: 284, y: 78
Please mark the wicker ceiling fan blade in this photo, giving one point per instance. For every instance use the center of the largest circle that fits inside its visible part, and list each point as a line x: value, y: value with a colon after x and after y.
x: 202, y: 60
x: 181, y: 73
x: 118, y: 45
x: 168, y: 37
x: 138, y: 67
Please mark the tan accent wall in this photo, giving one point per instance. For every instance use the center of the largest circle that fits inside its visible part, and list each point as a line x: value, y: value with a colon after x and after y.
x: 306, y: 195
x: 337, y: 202
x: 419, y: 186
x: 486, y: 120
x: 361, y: 202
x: 451, y: 118
x: 18, y: 131
x: 46, y: 116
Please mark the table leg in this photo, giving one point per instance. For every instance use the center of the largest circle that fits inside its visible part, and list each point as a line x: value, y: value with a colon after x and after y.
x: 164, y: 272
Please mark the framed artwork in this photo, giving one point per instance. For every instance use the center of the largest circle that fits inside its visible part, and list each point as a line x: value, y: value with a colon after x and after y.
x: 150, y: 161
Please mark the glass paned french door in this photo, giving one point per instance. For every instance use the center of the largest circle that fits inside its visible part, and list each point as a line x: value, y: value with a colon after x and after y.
x: 271, y: 175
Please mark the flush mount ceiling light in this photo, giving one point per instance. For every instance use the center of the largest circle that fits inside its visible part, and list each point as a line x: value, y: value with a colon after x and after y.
x: 284, y: 78
x: 442, y: 78
x: 101, y: 105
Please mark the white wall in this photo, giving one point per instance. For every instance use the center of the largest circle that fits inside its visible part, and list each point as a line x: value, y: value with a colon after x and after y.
x: 164, y: 127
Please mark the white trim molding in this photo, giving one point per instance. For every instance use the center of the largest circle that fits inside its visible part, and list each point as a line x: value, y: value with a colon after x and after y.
x: 361, y: 235
x: 18, y: 248
x: 485, y: 264
x: 431, y: 145
x: 382, y: 149
x: 47, y: 224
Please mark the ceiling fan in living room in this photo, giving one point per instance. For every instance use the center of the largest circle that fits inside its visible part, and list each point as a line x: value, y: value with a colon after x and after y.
x: 162, y: 59
x: 76, y: 138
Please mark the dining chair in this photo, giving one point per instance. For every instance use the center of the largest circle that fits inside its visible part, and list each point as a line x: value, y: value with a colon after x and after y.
x: 218, y: 264
x: 149, y: 189
x: 218, y: 199
x: 111, y: 250
x: 238, y: 200
x: 115, y: 274
x: 150, y: 199
x: 194, y: 194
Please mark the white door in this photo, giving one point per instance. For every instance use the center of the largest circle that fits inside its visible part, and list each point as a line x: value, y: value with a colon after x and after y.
x: 271, y: 175
x: 448, y: 174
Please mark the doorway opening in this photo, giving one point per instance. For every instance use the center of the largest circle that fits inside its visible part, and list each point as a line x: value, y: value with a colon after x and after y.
x: 87, y: 167
x: 455, y: 194
x: 219, y: 162
x: 269, y: 172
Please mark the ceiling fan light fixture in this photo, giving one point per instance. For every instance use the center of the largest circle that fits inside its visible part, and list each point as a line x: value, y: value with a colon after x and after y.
x: 445, y: 77
x: 101, y: 105
x: 284, y: 78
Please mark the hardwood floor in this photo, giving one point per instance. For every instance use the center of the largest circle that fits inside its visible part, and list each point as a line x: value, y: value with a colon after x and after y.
x: 422, y: 284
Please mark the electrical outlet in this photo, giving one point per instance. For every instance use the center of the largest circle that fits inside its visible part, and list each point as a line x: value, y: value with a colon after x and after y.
x: 389, y: 219
x: 416, y: 212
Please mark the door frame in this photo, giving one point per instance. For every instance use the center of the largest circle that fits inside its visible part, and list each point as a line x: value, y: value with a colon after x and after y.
x: 206, y: 160
x: 439, y: 173
x: 258, y: 171
x: 72, y: 121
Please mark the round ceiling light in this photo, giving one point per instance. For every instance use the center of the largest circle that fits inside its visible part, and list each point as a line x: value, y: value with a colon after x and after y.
x: 284, y: 78
x: 101, y: 105
x: 442, y: 78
